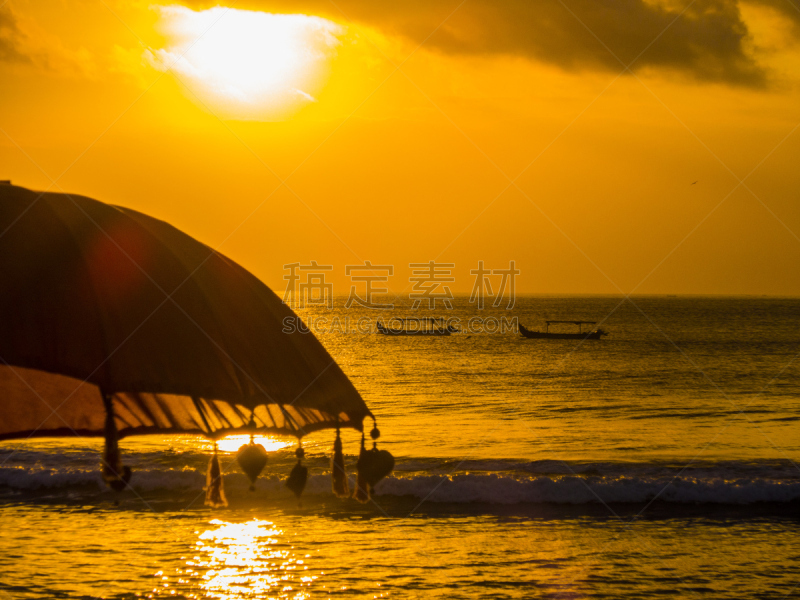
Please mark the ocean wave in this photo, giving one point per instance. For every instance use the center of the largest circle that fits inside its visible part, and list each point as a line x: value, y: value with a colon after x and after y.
x: 579, y: 484
x: 497, y: 489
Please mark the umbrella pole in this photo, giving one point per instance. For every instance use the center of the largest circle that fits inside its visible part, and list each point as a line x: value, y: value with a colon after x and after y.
x: 115, y: 474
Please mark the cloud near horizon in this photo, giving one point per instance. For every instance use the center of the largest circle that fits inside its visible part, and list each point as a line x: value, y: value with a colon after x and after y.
x: 708, y: 40
x: 25, y: 43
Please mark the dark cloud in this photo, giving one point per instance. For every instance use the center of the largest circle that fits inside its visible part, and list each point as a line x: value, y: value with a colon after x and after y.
x: 11, y: 38
x: 707, y: 40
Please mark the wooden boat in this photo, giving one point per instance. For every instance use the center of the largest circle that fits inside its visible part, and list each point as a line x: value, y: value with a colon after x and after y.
x: 595, y: 334
x: 419, y: 326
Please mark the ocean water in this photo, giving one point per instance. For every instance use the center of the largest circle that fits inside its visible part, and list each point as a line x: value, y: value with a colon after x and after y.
x: 661, y: 461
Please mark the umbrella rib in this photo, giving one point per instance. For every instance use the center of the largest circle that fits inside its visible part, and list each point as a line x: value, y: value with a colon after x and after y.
x: 270, y: 416
x: 305, y: 389
x: 198, y: 407
x: 129, y: 424
x: 239, y: 413
x: 146, y: 409
x: 222, y: 417
x: 291, y: 420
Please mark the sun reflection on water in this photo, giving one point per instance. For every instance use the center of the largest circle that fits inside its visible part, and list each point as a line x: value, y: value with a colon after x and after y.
x: 246, y: 560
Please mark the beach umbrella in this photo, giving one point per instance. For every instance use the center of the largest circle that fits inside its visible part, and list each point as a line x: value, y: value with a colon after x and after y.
x: 114, y: 323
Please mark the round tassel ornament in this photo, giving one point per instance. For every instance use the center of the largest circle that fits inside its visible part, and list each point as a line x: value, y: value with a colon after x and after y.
x: 373, y: 465
x: 252, y: 458
x: 299, y: 475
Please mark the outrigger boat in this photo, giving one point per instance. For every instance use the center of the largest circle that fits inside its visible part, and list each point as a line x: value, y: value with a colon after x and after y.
x: 424, y: 326
x: 595, y: 334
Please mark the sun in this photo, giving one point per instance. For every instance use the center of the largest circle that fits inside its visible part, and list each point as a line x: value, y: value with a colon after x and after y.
x: 249, y: 65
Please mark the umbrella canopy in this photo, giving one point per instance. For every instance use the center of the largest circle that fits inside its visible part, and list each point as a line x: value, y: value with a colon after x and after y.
x: 100, y: 303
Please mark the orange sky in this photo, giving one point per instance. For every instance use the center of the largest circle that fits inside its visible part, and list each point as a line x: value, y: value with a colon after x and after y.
x: 409, y: 132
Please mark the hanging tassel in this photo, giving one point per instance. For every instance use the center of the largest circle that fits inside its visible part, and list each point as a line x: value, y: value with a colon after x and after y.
x: 252, y: 458
x: 338, y: 473
x: 115, y: 474
x: 361, y: 493
x: 215, y: 494
x: 299, y: 475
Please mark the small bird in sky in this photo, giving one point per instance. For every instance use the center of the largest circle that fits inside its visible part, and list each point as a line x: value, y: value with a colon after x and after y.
x: 694, y: 182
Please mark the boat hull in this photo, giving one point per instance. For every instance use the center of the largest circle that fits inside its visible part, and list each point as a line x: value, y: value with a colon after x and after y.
x: 546, y: 335
x: 593, y: 335
x: 388, y: 331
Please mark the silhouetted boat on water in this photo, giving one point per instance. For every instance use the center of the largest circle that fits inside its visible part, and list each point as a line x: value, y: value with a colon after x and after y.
x: 416, y: 326
x: 595, y: 334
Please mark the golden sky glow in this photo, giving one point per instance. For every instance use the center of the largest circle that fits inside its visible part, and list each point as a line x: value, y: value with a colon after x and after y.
x: 285, y: 132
